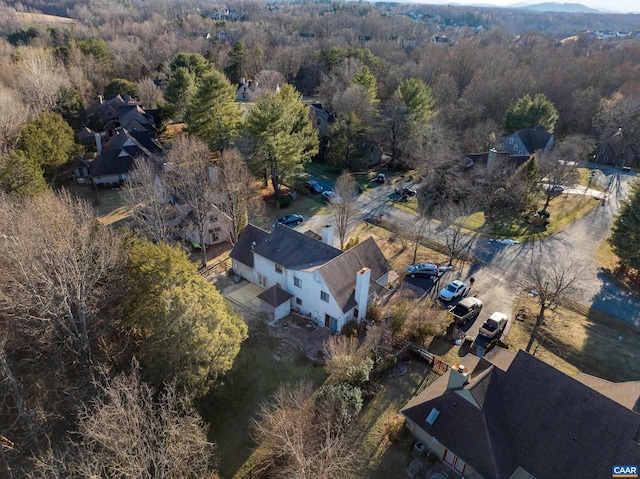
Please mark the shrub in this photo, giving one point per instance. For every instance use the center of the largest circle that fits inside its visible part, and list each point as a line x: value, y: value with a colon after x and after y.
x: 342, y: 402
x: 374, y: 313
x: 394, y: 426
x: 493, y: 344
x: 284, y: 201
x: 350, y: 328
x: 351, y: 243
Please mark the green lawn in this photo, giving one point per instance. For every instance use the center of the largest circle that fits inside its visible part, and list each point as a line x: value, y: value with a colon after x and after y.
x: 584, y: 177
x: 230, y: 409
x: 564, y: 209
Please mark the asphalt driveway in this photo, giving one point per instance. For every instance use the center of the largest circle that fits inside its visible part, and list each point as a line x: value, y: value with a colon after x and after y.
x: 498, y: 263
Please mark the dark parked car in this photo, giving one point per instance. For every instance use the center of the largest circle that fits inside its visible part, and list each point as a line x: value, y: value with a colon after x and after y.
x: 291, y: 220
x: 427, y: 270
x: 406, y: 191
x: 313, y: 186
x: 380, y: 178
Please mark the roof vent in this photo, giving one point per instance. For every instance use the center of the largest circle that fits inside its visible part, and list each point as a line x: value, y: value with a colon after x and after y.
x: 433, y: 415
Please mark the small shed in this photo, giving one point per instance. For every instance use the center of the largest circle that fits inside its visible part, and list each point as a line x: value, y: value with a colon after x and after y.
x: 276, y: 302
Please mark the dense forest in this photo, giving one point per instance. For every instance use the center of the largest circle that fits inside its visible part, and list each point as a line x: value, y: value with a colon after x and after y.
x: 106, y: 335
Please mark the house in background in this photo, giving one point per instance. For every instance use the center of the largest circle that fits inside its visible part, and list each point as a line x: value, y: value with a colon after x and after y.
x: 319, y: 119
x: 311, y: 277
x: 527, y: 142
x: 129, y: 133
x: 113, y: 160
x: 246, y: 91
x: 509, y: 415
x: 612, y: 151
x: 514, y: 150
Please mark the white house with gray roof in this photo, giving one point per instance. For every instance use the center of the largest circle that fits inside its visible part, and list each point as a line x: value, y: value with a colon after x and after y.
x: 328, y: 285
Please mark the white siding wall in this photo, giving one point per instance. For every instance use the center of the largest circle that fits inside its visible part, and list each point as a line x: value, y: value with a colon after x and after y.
x: 243, y: 270
x: 108, y: 179
x: 309, y: 292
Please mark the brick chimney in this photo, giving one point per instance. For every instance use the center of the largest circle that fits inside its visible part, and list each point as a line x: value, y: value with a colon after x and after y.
x: 363, y: 278
x: 328, y: 234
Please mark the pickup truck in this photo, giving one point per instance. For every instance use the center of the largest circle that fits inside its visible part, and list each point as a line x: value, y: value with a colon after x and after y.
x: 468, y: 308
x: 494, y: 325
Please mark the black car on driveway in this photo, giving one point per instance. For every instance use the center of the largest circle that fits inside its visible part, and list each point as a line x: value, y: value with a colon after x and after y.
x: 292, y: 219
x: 313, y: 186
x: 422, y: 270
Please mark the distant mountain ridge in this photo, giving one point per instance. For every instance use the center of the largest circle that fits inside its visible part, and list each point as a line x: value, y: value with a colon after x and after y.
x: 555, y: 7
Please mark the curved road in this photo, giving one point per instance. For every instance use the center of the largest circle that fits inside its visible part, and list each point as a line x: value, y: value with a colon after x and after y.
x: 499, y: 262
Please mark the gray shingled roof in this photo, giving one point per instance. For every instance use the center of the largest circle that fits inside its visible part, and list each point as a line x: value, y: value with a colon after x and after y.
x: 243, y: 249
x: 109, y: 163
x: 294, y: 250
x: 626, y: 393
x: 340, y: 273
x: 534, y: 139
x: 532, y: 416
x: 275, y: 296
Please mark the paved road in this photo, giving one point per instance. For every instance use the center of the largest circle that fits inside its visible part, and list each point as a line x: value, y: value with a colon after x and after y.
x: 498, y: 263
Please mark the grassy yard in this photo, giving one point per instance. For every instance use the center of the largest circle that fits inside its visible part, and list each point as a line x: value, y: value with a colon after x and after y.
x: 584, y: 177
x: 564, y: 210
x: 383, y: 457
x: 255, y: 375
x: 398, y: 250
x: 107, y: 202
x: 574, y: 339
x: 571, y: 341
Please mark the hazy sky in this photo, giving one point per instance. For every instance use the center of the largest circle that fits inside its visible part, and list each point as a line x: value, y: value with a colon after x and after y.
x: 610, y: 6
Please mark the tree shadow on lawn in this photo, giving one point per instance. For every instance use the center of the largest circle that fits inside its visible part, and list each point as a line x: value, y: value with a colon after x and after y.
x: 230, y: 408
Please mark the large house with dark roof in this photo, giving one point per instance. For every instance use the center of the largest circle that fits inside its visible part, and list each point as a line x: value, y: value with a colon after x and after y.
x: 509, y: 415
x: 514, y: 150
x: 301, y: 273
x: 130, y: 132
x: 528, y: 141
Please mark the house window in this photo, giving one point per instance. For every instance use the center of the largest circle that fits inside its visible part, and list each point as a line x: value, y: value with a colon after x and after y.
x: 298, y: 301
x: 324, y: 296
x: 297, y: 282
x: 278, y: 269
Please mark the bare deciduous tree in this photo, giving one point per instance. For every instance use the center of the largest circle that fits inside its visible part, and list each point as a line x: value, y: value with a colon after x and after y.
x: 148, y: 93
x: 453, y: 217
x: 345, y: 358
x: 192, y: 184
x: 296, y: 442
x: 344, y: 209
x: 145, y: 193
x: 131, y: 431
x: 13, y: 114
x: 551, y: 279
x: 57, y: 262
x: 235, y: 195
x: 269, y: 81
x: 39, y: 78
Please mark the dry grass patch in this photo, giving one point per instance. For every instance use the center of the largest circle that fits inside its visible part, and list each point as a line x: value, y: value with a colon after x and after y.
x: 605, y: 257
x: 572, y: 340
x: 41, y: 18
x: 398, y: 250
